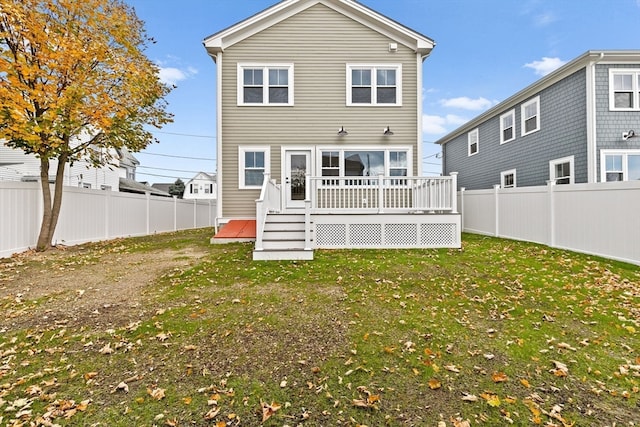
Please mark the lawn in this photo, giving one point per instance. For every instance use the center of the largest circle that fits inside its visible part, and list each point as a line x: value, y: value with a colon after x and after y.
x: 170, y: 331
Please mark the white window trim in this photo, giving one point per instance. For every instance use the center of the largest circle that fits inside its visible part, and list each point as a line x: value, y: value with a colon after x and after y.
x: 475, y: 132
x: 511, y: 113
x: 267, y: 162
x: 523, y: 131
x: 374, y: 76
x: 387, y: 149
x: 503, y: 176
x: 265, y: 83
x: 635, y: 88
x: 625, y: 162
x: 552, y: 168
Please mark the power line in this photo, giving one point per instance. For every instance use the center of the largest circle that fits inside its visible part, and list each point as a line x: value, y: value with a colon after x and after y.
x: 170, y: 170
x: 164, y: 176
x: 176, y: 157
x: 185, y: 134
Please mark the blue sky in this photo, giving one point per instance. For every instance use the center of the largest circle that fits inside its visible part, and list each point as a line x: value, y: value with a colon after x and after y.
x: 486, y: 50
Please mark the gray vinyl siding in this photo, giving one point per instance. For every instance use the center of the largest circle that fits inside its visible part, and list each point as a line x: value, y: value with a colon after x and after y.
x: 563, y: 132
x: 320, y: 43
x: 611, y: 124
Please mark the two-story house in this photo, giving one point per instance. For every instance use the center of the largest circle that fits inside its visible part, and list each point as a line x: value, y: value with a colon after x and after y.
x: 578, y: 124
x: 202, y: 186
x: 319, y: 109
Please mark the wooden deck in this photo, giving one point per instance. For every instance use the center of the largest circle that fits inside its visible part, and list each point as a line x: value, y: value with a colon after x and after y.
x: 236, y: 230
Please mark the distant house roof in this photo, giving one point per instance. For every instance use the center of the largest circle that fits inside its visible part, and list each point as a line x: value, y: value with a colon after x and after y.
x: 131, y: 186
x: 228, y: 37
x: 162, y: 187
x: 203, y: 175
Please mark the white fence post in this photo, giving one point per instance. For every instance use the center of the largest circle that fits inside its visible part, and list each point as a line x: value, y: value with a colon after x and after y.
x: 496, y: 195
x: 552, y: 213
x: 107, y: 217
x: 175, y: 213
x: 462, y: 212
x: 148, y: 196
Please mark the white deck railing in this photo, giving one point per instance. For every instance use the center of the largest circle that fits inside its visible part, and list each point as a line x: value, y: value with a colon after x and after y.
x: 269, y: 201
x: 355, y: 194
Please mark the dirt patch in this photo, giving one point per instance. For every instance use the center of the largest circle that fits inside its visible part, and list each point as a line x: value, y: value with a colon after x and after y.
x: 68, y: 287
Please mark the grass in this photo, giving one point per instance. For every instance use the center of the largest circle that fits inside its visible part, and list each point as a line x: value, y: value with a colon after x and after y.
x: 498, y: 333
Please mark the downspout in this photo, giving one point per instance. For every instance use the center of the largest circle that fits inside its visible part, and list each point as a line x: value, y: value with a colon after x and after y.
x: 420, y: 59
x: 592, y: 125
x: 219, y: 178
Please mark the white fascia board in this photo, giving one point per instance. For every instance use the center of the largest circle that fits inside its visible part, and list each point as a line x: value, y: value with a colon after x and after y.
x: 220, y: 41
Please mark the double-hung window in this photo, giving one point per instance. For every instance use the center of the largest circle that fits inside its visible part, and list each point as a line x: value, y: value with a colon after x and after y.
x: 508, y: 127
x: 561, y: 171
x: 374, y: 85
x: 253, y: 163
x: 472, y: 141
x: 265, y: 84
x: 530, y: 116
x: 620, y: 165
x: 624, y: 90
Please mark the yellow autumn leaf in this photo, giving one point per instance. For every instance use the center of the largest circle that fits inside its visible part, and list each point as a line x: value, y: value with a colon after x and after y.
x: 525, y: 383
x: 434, y: 384
x: 499, y: 377
x: 492, y: 399
x: 186, y: 400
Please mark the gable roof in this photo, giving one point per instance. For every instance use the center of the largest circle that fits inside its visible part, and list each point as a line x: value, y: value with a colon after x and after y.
x: 202, y: 175
x: 589, y: 57
x: 228, y: 37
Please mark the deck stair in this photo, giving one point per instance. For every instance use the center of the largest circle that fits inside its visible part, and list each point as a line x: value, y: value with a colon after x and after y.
x: 283, y: 239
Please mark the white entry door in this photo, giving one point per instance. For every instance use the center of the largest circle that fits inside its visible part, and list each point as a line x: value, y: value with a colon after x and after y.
x: 297, y: 164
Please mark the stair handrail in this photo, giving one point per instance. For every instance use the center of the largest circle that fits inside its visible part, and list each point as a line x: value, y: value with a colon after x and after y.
x: 266, y: 203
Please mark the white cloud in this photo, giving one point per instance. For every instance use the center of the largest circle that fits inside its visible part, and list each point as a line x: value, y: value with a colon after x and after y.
x: 545, y: 65
x: 466, y: 103
x: 440, y: 125
x: 544, y: 19
x: 171, y: 75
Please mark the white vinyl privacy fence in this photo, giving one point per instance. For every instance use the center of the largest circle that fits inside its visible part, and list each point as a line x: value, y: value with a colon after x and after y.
x: 599, y: 219
x: 92, y: 215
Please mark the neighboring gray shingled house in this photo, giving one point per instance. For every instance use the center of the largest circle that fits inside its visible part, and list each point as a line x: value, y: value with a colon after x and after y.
x: 579, y: 124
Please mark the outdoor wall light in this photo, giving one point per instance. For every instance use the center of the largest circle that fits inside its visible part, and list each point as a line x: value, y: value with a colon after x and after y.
x: 629, y: 134
x: 387, y: 131
x: 342, y: 132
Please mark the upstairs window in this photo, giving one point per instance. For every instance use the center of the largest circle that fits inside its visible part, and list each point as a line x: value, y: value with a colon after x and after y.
x: 624, y: 90
x: 374, y: 85
x: 472, y: 139
x: 531, y: 116
x: 265, y: 84
x: 508, y: 127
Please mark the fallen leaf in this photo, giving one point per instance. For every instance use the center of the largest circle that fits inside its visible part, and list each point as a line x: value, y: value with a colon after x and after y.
x: 499, y: 377
x: 156, y: 393
x: 492, y: 399
x: 525, y: 383
x: 269, y: 410
x: 451, y: 368
x: 434, y: 384
x: 469, y: 397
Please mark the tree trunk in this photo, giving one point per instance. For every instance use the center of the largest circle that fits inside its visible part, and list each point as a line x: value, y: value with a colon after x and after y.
x: 44, y: 242
x: 51, y: 210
